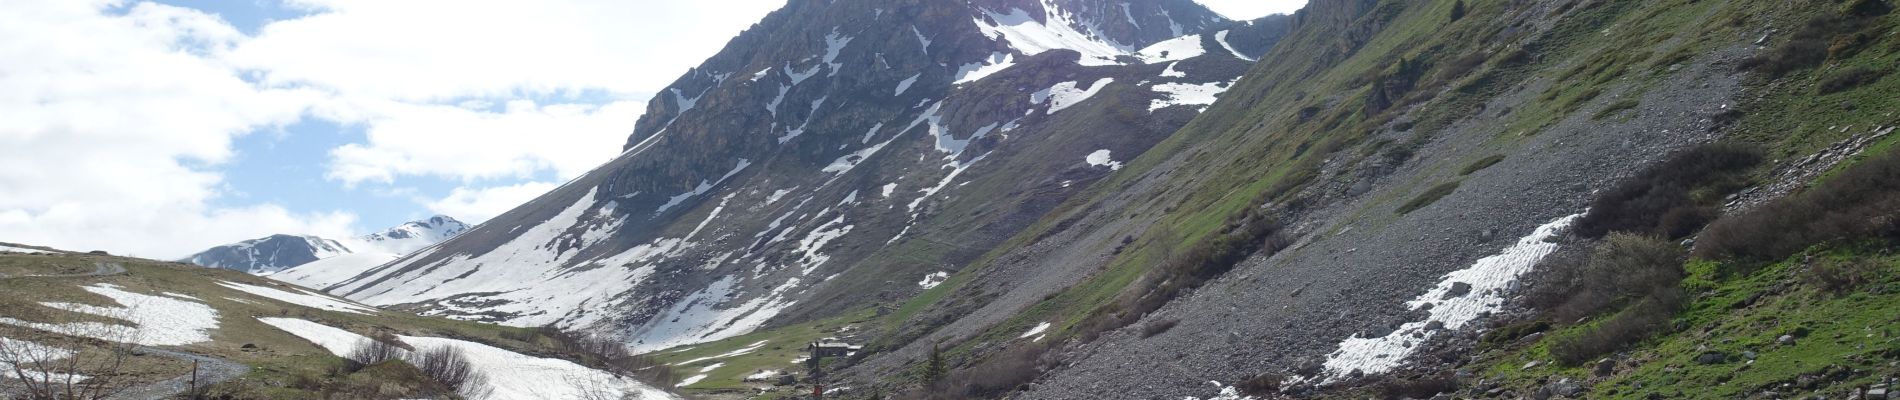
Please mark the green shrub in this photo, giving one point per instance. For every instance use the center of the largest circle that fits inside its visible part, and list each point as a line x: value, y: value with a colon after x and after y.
x: 1849, y: 78
x: 1637, y: 276
x: 1861, y: 201
x: 1842, y: 276
x: 1481, y: 164
x: 1674, y: 198
x: 1430, y: 196
x: 1614, y: 108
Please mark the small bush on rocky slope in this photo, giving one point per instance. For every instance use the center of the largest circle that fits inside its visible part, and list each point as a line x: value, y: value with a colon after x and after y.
x: 1430, y: 196
x: 1860, y: 201
x: 1180, y: 272
x: 1636, y: 275
x: 1820, y: 39
x: 1674, y: 198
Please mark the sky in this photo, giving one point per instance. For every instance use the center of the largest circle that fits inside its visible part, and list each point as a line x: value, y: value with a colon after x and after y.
x: 161, y: 128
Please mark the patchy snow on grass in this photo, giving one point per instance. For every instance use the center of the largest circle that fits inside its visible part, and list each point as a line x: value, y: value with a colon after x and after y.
x: 155, y: 320
x: 335, y: 340
x: 709, y: 369
x: 1035, y: 331
x: 1055, y: 31
x: 510, y: 375
x: 997, y: 62
x: 933, y: 279
x: 746, y: 350
x: 14, y: 353
x: 689, y: 381
x: 762, y: 375
x: 1489, y: 280
x: 1100, y: 158
x: 1188, y: 94
x: 1222, y: 38
x: 6, y: 248
x: 1175, y: 49
x: 1065, y: 94
x: 321, y: 302
x: 513, y: 375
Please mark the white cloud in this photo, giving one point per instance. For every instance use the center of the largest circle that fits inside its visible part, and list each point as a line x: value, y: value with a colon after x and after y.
x: 478, y: 205
x: 451, y: 141
x: 110, y: 120
x: 1250, y: 9
x: 115, y: 116
x: 445, y: 49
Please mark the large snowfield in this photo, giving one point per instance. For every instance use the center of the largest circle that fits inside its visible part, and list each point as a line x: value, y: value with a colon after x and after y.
x: 510, y: 375
x: 331, y: 271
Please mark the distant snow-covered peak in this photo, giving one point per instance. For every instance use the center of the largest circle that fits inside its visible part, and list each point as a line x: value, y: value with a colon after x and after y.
x: 415, y: 235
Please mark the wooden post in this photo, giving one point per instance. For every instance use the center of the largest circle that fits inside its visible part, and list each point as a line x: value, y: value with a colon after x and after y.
x: 194, y: 379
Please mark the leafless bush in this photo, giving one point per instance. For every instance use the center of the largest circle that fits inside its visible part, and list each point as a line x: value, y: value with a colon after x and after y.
x: 372, y: 351
x: 1674, y: 198
x: 450, y: 367
x: 91, y: 371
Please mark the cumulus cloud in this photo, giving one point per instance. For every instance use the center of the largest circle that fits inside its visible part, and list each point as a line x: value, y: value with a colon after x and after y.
x: 111, y: 116
x: 477, y: 205
x: 450, y: 141
x: 116, y: 116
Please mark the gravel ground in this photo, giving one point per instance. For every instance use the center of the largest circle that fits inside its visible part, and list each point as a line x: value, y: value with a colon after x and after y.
x: 1291, y: 310
x: 211, y: 370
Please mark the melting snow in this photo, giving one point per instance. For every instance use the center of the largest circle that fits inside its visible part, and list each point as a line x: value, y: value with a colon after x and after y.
x: 156, y: 320
x: 921, y: 40
x: 702, y: 188
x: 933, y: 279
x: 904, y: 86
x: 1100, y: 158
x: 1222, y: 38
x: 1188, y: 94
x: 997, y: 62
x: 1063, y: 95
x: 1175, y: 49
x: 330, y: 271
x: 889, y: 188
x: 16, y: 352
x: 510, y: 375
x: 691, y: 380
x: 316, y: 301
x: 22, y: 250
x: 1030, y: 37
x: 1490, y: 279
x: 1036, y: 331
x: 762, y: 375
x: 1170, y: 72
x: 834, y: 43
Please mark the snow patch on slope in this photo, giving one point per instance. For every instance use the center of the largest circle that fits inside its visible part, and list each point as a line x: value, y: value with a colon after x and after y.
x: 330, y: 271
x: 1030, y: 37
x: 156, y: 320
x: 1065, y: 94
x: 1188, y: 94
x: 997, y: 62
x: 316, y: 301
x: 1100, y: 158
x: 1489, y: 279
x: 1175, y: 49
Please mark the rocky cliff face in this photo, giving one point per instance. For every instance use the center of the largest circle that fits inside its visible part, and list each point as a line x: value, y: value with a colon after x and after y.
x: 829, y: 158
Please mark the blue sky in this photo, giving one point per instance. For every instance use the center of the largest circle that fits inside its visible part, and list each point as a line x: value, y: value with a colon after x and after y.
x: 159, y: 128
